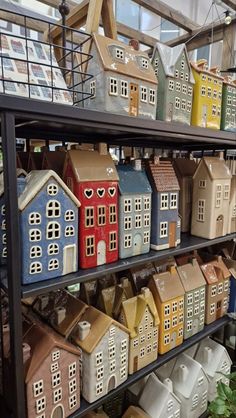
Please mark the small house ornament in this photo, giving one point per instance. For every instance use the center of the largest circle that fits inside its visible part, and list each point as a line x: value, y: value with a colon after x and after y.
x: 228, y: 110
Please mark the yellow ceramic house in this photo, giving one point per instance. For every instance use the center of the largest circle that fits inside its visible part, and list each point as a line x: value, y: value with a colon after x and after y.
x: 207, y: 96
x: 168, y: 294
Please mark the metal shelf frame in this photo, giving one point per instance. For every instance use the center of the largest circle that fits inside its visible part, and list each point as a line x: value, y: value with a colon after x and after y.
x: 32, y: 119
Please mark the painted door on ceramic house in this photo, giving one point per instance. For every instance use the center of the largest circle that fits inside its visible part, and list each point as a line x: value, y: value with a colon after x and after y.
x: 173, y: 340
x: 137, y: 244
x: 101, y: 253
x: 172, y: 234
x: 69, y: 259
x: 219, y: 225
x: 58, y: 412
x: 204, y: 116
x: 134, y: 99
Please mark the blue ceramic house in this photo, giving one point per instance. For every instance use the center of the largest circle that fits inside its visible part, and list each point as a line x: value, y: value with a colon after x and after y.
x: 134, y: 210
x: 165, y: 222
x: 49, y: 226
x: 3, y: 241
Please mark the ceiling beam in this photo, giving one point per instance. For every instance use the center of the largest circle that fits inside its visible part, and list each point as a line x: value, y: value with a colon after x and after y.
x: 135, y: 34
x: 162, y: 9
x: 230, y: 3
x: 55, y: 3
x: 204, y: 37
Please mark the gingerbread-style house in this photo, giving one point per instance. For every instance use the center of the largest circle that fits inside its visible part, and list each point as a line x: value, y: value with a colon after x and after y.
x: 232, y: 206
x: 52, y: 378
x: 124, y: 81
x: 92, y: 177
x: 207, y: 95
x: 134, y: 210
x: 211, y: 195
x: 165, y: 222
x: 217, y: 278
x: 168, y: 293
x: 175, y: 83
x: 185, y: 169
x: 140, y: 316
x: 228, y: 110
x: 194, y: 285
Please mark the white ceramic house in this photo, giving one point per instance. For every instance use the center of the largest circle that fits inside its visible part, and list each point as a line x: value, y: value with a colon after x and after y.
x: 158, y: 399
x: 190, y: 385
x: 214, y: 358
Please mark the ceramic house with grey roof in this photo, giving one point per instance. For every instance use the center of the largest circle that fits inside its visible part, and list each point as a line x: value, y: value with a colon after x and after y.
x: 158, y: 400
x: 211, y: 196
x: 124, y: 81
x: 134, y: 210
x: 175, y: 83
x: 214, y: 358
x: 48, y: 226
x: 190, y: 385
x: 165, y: 220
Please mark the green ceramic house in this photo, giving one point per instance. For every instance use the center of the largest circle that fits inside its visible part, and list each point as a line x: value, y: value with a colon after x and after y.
x: 228, y: 111
x: 175, y: 83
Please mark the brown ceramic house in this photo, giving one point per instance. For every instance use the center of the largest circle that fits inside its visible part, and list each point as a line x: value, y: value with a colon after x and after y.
x: 217, y: 278
x: 139, y: 315
x: 54, y: 160
x: 135, y: 412
x: 185, y: 169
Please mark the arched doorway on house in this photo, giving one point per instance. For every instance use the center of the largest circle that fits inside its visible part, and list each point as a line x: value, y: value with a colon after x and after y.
x: 111, y: 384
x: 219, y: 225
x: 58, y: 412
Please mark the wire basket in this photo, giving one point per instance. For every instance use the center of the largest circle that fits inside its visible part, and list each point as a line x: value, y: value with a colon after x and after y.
x: 50, y: 66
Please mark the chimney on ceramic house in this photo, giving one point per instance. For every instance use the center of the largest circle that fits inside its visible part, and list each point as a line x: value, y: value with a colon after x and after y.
x: 44, y: 299
x: 26, y: 352
x: 84, y: 328
x: 60, y: 315
x: 207, y: 354
x: 168, y: 383
x: 134, y: 43
x: 182, y: 373
x: 101, y: 147
x: 145, y: 291
x: 137, y: 164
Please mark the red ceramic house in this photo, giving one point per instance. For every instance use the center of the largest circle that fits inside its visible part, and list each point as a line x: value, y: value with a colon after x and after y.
x: 92, y: 177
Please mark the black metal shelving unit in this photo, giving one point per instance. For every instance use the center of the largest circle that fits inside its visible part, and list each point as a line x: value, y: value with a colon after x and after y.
x: 32, y: 119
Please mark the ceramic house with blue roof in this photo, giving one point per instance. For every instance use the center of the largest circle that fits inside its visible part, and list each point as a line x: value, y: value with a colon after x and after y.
x: 165, y: 221
x: 134, y: 210
x: 48, y: 226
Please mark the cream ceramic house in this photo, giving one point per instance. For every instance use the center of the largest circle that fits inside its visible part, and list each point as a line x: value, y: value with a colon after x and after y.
x: 232, y: 207
x: 139, y: 315
x: 190, y: 385
x: 211, y: 193
x: 158, y: 399
x: 214, y: 358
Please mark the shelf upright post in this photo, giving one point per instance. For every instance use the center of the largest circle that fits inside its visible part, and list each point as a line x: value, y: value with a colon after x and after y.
x: 13, y: 264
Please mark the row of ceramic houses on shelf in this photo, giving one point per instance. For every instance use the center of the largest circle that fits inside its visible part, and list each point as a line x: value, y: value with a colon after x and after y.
x: 123, y: 210
x: 168, y: 87
x: 80, y: 341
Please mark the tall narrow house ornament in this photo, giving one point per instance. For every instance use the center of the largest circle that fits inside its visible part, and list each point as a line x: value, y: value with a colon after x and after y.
x: 175, y: 83
x: 124, y: 81
x: 92, y: 177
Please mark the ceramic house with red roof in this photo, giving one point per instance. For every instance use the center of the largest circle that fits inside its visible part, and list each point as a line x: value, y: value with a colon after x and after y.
x: 165, y: 224
x: 92, y: 176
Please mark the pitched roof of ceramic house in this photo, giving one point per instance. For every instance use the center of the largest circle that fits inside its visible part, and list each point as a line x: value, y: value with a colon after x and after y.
x: 74, y: 308
x: 218, y: 262
x: 35, y: 181
x: 184, y: 167
x: 135, y: 412
x: 210, y: 354
x: 163, y: 264
x: 19, y: 172
x: 92, y: 166
x: 158, y: 403
x: 162, y: 176
x: 54, y: 160
x: 165, y: 371
x: 199, y: 67
x: 191, y: 275
x: 132, y: 181
x: 35, y: 161
x: 121, y: 293
x: 100, y: 323
x: 216, y: 168
x: 187, y: 257
x: 42, y: 340
x: 192, y: 368
x: 215, y: 270
x: 130, y: 66
x: 229, y: 81
x: 24, y: 159
x: 134, y: 309
x: 168, y: 285
x: 169, y: 57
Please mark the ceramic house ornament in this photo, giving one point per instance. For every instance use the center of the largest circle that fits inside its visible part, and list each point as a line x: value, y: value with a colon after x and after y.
x: 190, y: 385
x: 139, y: 315
x: 165, y: 223
x: 211, y: 196
x: 54, y: 160
x: 232, y: 207
x: 134, y: 210
x: 217, y: 278
x: 214, y: 358
x: 92, y: 177
x: 158, y: 400
x: 228, y: 110
x: 185, y: 169
x: 49, y: 224
x: 175, y: 83
x: 194, y: 285
x: 140, y: 275
x: 207, y: 95
x: 124, y: 81
x: 168, y: 293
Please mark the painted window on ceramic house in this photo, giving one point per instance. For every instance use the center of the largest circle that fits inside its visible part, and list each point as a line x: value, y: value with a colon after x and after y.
x: 52, y: 189
x: 57, y: 395
x: 124, y: 89
x: 113, y: 86
x: 112, y: 241
x: 73, y: 401
x: 89, y: 216
x: 90, y: 245
x: 35, y: 267
x: 93, y: 89
x: 35, y: 218
x: 201, y: 210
